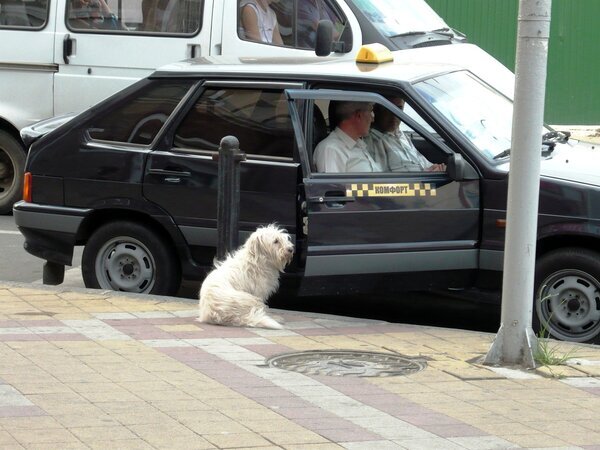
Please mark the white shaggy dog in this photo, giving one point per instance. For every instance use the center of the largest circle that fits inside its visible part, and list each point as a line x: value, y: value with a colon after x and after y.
x: 236, y: 291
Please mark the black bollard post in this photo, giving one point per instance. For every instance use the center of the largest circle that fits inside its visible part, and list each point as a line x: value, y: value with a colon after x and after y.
x: 228, y: 197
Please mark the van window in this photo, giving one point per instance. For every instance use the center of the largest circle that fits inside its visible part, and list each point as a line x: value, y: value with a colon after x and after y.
x: 258, y: 118
x: 171, y: 17
x: 292, y: 23
x: 138, y: 117
x: 23, y: 13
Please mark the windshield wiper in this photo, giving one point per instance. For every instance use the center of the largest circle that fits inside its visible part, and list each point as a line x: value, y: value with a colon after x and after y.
x: 408, y: 33
x: 549, y: 141
x: 551, y: 138
x: 503, y: 154
x: 445, y: 31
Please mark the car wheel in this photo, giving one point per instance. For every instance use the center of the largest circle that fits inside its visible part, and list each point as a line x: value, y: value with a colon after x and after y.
x: 12, y: 165
x: 567, y: 300
x: 130, y: 257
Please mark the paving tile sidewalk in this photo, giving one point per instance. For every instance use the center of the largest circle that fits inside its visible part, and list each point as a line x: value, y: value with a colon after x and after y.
x: 95, y: 369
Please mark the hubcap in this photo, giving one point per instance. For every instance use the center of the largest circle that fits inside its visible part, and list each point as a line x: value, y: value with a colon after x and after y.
x: 128, y: 269
x: 573, y: 304
x: 125, y: 264
x: 568, y: 305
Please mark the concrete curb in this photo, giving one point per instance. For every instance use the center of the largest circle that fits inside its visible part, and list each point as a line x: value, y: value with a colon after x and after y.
x: 104, y: 292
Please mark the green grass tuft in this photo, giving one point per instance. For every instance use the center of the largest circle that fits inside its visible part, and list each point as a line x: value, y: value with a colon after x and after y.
x: 547, y: 353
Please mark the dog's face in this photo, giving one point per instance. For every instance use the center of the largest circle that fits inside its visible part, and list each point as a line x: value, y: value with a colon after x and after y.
x: 273, y: 244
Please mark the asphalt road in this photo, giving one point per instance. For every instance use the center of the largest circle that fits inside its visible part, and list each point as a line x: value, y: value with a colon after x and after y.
x: 416, y: 308
x: 15, y: 263
x: 18, y: 265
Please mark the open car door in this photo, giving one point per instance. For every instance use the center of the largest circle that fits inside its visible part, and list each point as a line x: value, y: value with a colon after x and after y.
x: 361, y: 225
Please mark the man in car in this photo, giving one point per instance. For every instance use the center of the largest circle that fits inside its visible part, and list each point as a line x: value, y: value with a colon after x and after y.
x: 391, y: 148
x: 344, y: 150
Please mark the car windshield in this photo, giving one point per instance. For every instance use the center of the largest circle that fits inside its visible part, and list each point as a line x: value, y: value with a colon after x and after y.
x: 481, y: 113
x: 392, y: 19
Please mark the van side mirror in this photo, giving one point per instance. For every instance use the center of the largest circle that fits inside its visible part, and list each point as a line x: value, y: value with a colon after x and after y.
x: 458, y: 169
x: 324, y: 40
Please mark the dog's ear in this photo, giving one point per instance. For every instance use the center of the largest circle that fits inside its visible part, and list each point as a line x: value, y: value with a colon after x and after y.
x: 253, y: 245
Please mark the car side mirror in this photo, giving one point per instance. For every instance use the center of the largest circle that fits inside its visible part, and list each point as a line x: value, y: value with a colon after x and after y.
x: 324, y: 40
x: 458, y: 169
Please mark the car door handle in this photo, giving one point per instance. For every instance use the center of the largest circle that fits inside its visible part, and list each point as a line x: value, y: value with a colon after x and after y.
x: 169, y: 173
x: 330, y: 199
x: 67, y: 48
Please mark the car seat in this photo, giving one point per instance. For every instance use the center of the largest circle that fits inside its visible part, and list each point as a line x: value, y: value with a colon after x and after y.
x: 332, y: 114
x: 319, y: 132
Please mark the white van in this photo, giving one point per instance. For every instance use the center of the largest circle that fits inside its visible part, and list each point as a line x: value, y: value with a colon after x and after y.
x: 62, y: 56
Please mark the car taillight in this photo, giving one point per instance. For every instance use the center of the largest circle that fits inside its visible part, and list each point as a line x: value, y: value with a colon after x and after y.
x: 27, y: 187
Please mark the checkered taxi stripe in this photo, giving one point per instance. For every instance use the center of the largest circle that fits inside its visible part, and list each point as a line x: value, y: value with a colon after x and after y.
x: 391, y: 190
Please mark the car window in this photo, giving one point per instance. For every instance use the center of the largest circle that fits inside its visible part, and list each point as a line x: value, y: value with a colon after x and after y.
x: 354, y: 136
x: 138, y: 117
x: 482, y: 114
x: 292, y: 23
x: 171, y: 17
x: 23, y: 13
x: 259, y: 118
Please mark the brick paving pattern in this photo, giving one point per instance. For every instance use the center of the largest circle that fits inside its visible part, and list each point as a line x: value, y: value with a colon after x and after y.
x: 93, y: 369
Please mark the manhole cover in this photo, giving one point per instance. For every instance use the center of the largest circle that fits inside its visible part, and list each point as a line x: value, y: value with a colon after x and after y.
x: 341, y: 363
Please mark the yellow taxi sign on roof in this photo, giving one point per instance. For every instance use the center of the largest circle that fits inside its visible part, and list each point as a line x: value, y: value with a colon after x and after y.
x: 374, y: 54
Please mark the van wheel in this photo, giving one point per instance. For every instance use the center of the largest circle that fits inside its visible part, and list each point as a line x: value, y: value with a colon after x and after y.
x: 567, y: 300
x: 12, y: 165
x: 130, y: 257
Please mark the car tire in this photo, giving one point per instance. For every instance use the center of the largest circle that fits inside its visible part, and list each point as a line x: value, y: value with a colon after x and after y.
x: 12, y: 166
x: 130, y: 257
x: 567, y: 295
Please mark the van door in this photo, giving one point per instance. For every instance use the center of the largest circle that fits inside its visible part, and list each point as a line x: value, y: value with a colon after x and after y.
x: 384, y: 222
x: 101, y: 46
x: 26, y: 60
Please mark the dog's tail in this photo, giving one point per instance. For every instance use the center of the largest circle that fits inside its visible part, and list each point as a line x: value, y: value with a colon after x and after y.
x: 268, y: 322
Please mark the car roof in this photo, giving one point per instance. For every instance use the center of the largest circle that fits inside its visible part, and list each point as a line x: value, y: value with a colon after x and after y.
x: 408, y: 66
